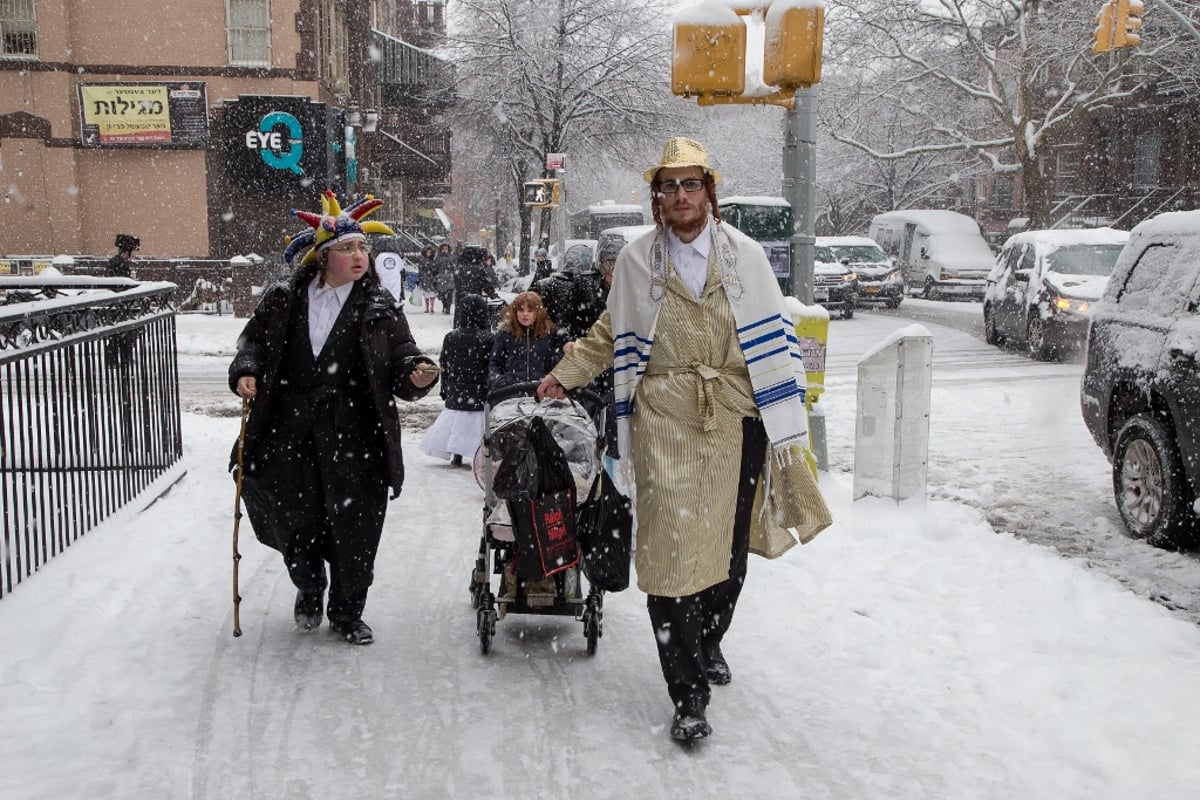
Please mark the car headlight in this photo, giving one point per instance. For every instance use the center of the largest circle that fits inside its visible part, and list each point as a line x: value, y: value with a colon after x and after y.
x: 850, y: 277
x: 1060, y: 303
x: 894, y: 275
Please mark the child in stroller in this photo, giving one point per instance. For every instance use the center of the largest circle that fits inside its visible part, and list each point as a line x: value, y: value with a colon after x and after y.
x: 526, y: 443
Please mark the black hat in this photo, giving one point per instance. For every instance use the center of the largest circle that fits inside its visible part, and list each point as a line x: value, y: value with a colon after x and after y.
x: 127, y: 242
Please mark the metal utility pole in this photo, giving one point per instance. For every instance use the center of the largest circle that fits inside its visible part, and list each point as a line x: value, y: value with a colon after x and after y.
x: 799, y: 187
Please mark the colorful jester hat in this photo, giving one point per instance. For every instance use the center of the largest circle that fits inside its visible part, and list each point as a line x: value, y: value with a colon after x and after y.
x: 334, y: 224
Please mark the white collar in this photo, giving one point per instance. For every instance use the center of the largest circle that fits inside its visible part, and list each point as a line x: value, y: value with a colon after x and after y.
x: 316, y: 289
x: 701, y: 244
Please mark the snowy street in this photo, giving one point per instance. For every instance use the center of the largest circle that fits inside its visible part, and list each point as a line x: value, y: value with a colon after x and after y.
x: 908, y: 652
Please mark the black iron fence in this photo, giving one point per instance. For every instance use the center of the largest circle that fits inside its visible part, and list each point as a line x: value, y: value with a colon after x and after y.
x: 89, y: 408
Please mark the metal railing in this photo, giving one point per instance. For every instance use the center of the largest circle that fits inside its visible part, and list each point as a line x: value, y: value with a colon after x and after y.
x: 89, y: 408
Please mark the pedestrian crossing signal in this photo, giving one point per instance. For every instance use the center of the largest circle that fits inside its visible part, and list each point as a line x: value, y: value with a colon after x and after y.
x: 541, y: 194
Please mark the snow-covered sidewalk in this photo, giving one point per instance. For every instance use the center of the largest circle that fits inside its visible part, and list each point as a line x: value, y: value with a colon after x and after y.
x: 906, y: 653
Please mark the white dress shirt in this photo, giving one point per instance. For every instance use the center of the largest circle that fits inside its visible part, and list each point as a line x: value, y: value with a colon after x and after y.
x: 324, y: 305
x: 691, y: 259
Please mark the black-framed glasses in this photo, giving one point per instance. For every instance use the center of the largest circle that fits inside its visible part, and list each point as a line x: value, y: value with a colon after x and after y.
x: 689, y: 185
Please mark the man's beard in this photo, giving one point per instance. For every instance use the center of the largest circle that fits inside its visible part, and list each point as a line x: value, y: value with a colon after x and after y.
x: 692, y: 224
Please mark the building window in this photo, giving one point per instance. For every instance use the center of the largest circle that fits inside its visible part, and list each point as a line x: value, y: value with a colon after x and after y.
x: 1002, y: 192
x: 18, y: 29
x: 333, y: 46
x: 248, y: 30
x: 1066, y: 171
x: 1146, y: 148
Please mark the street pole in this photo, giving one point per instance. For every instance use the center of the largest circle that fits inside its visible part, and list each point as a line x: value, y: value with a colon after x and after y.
x: 799, y: 187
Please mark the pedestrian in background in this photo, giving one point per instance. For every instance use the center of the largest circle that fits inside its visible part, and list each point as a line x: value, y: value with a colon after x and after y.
x: 322, y: 358
x: 427, y: 278
x: 120, y: 265
x: 466, y: 354
x: 445, y: 266
x: 709, y: 392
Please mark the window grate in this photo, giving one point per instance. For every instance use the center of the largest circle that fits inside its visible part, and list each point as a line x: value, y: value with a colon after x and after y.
x: 248, y: 32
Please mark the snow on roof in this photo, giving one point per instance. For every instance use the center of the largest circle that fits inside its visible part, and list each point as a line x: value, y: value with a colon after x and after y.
x: 753, y: 200
x: 709, y: 12
x: 846, y: 241
x: 937, y: 220
x: 1051, y: 239
x: 1169, y: 223
x: 609, y: 207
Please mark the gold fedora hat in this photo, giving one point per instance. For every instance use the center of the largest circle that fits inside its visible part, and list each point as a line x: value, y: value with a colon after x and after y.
x: 682, y: 152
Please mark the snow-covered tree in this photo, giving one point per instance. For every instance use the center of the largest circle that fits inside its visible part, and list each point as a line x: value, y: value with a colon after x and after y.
x: 992, y: 78
x: 580, y: 77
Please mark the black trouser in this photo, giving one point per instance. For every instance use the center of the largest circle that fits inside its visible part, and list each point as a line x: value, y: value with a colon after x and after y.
x: 322, y: 503
x: 684, y: 626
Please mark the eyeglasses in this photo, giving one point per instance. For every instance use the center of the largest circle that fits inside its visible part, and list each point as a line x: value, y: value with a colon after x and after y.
x: 689, y: 185
x: 350, y: 248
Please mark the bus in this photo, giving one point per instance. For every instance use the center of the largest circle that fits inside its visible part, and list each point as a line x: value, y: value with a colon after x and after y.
x: 588, y: 224
x: 768, y: 221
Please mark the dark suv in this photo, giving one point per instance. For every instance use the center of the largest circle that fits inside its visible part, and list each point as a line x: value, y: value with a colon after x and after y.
x: 1141, y: 382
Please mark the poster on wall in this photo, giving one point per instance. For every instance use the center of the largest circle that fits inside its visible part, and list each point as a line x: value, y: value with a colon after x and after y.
x: 143, y: 115
x: 273, y: 142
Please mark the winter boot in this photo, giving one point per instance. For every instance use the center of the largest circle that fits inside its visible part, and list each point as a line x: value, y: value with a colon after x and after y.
x: 716, y: 668
x: 354, y: 631
x: 309, y: 610
x: 690, y: 722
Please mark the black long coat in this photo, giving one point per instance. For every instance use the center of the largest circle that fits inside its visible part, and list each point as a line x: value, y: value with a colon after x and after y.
x: 466, y: 353
x: 388, y: 351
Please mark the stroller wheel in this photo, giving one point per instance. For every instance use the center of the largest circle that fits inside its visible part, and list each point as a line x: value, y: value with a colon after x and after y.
x: 485, y: 622
x: 592, y: 626
x: 475, y: 588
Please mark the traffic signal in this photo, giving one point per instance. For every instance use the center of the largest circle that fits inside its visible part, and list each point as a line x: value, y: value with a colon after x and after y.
x: 793, y: 44
x: 1106, y: 22
x: 541, y: 194
x: 708, y: 54
x: 1128, y: 23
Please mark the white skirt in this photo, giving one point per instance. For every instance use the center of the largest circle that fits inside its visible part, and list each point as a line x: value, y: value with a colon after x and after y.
x: 454, y: 433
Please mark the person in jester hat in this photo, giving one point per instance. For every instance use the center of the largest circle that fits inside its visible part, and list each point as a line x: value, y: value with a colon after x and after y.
x: 322, y: 359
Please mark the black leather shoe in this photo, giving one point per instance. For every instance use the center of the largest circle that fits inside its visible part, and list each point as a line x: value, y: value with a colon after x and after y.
x: 690, y: 723
x: 716, y: 668
x: 309, y: 610
x: 354, y: 631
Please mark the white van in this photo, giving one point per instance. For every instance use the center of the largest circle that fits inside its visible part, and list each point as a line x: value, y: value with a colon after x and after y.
x: 940, y: 253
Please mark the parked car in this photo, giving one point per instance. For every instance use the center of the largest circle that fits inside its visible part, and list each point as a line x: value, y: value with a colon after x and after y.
x: 879, y: 280
x: 1140, y: 392
x: 940, y: 253
x: 1043, y: 286
x: 835, y: 284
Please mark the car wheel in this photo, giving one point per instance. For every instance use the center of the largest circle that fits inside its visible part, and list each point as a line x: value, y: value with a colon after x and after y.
x: 930, y: 292
x: 989, y: 327
x: 848, y: 309
x: 1152, y: 493
x: 893, y: 303
x: 1035, y: 337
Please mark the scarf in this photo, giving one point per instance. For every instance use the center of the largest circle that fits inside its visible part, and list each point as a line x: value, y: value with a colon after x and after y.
x: 764, y: 330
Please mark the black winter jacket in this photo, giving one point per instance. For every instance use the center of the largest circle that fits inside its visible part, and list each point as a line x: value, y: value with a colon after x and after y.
x: 520, y: 360
x: 466, y: 355
x: 389, y: 354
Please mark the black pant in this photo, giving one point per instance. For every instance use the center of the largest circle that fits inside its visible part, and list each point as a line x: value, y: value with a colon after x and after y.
x: 684, y: 626
x: 321, y: 502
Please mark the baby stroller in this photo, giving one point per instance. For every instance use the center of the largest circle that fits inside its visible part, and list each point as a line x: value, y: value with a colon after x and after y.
x: 523, y: 440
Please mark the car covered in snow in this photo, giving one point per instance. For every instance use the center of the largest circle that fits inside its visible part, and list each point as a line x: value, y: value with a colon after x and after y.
x: 835, y: 283
x: 1041, y: 291
x: 1140, y: 393
x: 879, y: 280
x: 941, y: 254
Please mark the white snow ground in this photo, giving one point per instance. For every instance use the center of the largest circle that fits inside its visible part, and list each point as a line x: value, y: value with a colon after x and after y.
x: 907, y: 652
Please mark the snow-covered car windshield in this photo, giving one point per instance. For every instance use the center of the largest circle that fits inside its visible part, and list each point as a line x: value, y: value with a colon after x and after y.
x: 1084, y: 259
x: 824, y: 255
x: 764, y: 223
x: 860, y: 253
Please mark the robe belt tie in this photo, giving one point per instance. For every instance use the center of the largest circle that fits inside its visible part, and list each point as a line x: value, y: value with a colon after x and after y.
x: 710, y: 377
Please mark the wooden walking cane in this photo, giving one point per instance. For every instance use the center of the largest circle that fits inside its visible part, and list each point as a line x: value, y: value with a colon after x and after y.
x: 237, y: 517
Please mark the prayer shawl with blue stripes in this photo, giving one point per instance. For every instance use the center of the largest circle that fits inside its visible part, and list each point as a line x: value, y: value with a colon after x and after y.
x: 765, y: 330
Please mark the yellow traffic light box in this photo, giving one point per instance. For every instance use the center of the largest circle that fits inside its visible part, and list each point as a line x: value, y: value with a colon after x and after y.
x: 709, y: 52
x: 795, y: 39
x: 1128, y: 23
x: 1106, y: 19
